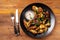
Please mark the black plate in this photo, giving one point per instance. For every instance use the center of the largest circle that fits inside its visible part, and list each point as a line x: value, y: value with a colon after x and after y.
x: 29, y: 8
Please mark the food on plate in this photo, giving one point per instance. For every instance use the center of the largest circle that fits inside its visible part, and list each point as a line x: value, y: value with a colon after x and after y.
x: 35, y: 8
x: 38, y: 20
x: 33, y: 31
x: 40, y: 31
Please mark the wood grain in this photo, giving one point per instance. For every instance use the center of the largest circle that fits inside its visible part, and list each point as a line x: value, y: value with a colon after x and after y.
x: 9, y: 6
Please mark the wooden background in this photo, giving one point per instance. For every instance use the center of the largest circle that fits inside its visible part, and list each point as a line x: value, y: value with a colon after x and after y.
x: 9, y: 6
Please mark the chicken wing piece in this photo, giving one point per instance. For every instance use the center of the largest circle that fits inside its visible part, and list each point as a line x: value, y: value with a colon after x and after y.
x: 27, y: 24
x: 46, y: 28
x: 33, y: 31
x: 42, y: 26
x: 40, y: 9
x: 32, y: 27
x: 48, y: 24
x: 35, y: 8
x: 40, y: 31
x: 37, y: 28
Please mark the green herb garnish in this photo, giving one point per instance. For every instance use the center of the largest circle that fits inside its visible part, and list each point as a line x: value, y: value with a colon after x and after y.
x: 37, y: 24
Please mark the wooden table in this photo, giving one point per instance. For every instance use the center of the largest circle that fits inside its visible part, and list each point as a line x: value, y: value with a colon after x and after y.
x: 9, y: 6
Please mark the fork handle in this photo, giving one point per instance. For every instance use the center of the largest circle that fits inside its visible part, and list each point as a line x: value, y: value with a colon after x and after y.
x: 18, y: 28
x: 15, y: 30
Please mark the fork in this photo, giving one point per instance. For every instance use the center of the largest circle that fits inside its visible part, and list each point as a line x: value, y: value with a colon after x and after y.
x: 13, y: 22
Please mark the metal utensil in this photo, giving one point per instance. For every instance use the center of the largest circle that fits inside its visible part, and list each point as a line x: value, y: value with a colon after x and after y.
x: 13, y: 22
x: 17, y: 22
